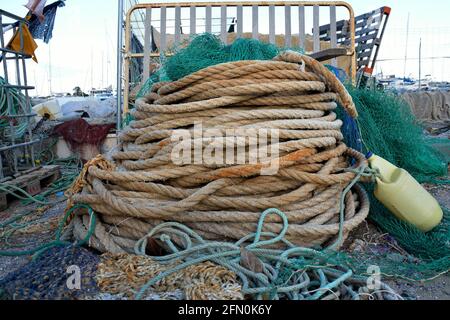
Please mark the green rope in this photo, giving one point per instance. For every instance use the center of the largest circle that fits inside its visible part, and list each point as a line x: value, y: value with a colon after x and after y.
x: 361, y: 171
x: 57, y: 242
x: 228, y: 255
x: 21, y: 194
x: 260, y: 285
x: 59, y: 185
x: 17, y: 101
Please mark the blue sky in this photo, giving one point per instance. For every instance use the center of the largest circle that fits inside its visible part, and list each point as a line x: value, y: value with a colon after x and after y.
x: 84, y: 39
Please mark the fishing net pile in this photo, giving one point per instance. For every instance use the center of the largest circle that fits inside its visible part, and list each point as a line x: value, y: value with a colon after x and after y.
x: 41, y: 280
x: 389, y: 129
x: 125, y: 274
x: 293, y: 95
x: 204, y: 51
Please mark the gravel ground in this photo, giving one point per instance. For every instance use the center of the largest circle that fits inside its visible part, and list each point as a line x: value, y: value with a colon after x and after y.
x: 438, y: 289
x: 9, y: 264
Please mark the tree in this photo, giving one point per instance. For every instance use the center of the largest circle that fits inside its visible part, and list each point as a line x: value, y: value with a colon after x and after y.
x: 77, y: 92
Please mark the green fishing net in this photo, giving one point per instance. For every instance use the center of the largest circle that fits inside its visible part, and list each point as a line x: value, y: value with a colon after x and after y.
x: 390, y: 130
x: 385, y: 126
x: 207, y: 50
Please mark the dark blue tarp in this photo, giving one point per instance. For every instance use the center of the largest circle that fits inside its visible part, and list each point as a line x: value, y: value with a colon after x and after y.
x: 44, y: 30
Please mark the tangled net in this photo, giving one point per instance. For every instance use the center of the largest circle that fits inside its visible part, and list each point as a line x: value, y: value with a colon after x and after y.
x: 389, y: 129
x: 293, y: 94
x: 293, y: 272
x: 126, y: 274
x: 41, y: 280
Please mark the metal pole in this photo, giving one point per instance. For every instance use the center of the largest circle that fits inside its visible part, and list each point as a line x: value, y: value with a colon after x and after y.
x: 8, y: 97
x: 50, y: 89
x: 24, y: 104
x: 406, y: 50
x: 28, y: 111
x: 119, y: 63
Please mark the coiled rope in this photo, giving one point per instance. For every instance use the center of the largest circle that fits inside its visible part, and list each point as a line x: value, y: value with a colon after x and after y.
x: 18, y: 102
x: 311, y: 277
x: 293, y: 94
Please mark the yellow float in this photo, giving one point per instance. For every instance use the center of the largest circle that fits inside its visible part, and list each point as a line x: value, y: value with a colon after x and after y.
x: 404, y: 196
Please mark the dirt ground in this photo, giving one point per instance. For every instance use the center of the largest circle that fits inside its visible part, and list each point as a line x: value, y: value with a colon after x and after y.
x: 438, y: 289
x: 368, y: 233
x: 30, y: 240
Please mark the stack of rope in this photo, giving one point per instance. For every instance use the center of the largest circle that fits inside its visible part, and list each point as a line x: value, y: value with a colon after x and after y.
x: 294, y: 95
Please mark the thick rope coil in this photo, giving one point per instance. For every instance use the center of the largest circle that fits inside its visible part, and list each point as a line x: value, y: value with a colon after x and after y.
x: 293, y: 95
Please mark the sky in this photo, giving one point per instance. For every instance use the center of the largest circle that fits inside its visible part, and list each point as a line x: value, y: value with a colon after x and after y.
x: 83, y: 49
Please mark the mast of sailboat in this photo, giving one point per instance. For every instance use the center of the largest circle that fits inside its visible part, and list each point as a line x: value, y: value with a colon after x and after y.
x: 103, y: 64
x: 406, y: 50
x: 120, y: 20
x: 420, y: 64
x: 92, y: 69
x: 107, y: 68
x: 50, y: 69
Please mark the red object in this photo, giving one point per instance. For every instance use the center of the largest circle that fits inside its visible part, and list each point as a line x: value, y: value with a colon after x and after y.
x: 79, y: 132
x: 368, y: 70
x: 34, y: 187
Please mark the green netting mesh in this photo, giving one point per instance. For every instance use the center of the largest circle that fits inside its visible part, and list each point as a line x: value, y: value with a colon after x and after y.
x: 207, y: 50
x: 388, y: 129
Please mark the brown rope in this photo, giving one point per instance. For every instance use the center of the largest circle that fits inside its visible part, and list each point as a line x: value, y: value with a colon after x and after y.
x: 293, y: 94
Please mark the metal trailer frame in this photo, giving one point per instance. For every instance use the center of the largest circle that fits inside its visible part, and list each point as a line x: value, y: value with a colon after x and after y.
x: 127, y: 55
x: 22, y: 86
x: 369, y: 32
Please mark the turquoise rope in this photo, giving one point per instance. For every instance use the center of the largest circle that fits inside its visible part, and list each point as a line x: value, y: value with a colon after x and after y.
x: 17, y: 101
x: 361, y: 171
x: 22, y: 194
x: 228, y: 255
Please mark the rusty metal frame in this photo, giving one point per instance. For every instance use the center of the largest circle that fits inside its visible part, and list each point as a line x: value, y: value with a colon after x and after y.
x: 128, y: 55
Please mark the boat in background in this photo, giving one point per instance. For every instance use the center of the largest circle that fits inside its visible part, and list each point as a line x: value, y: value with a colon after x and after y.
x: 102, y: 94
x: 410, y: 84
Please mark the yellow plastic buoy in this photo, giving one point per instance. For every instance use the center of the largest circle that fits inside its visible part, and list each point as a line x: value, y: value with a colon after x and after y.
x: 404, y: 196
